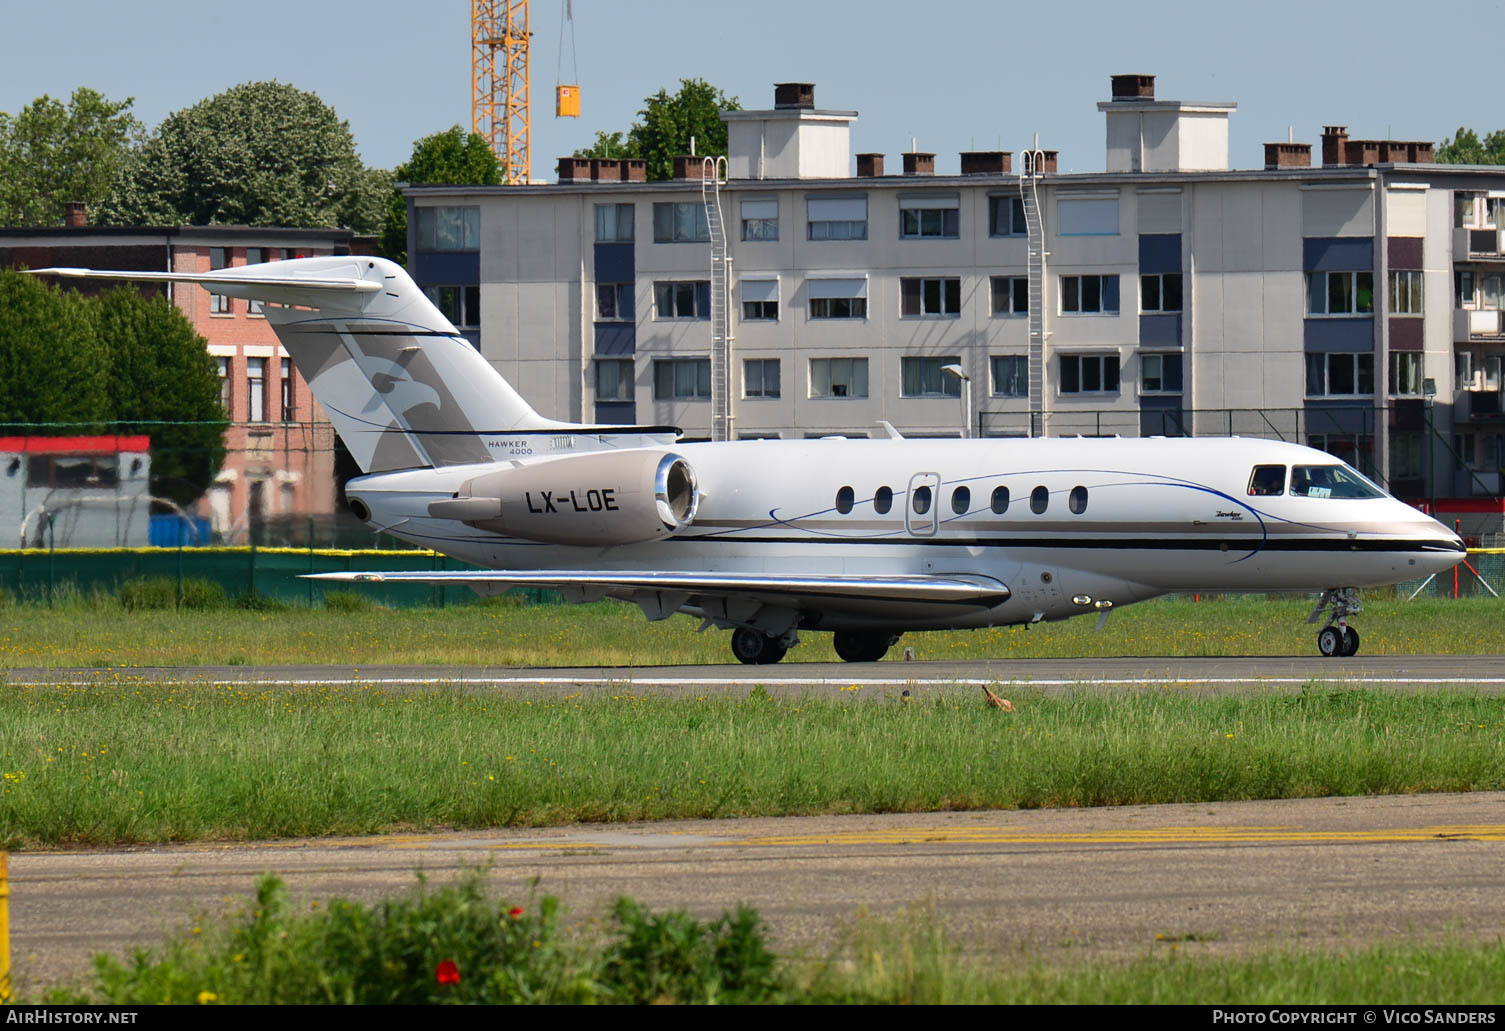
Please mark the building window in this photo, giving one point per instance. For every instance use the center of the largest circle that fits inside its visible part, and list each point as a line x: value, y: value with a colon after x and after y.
x: 682, y: 379
x: 1006, y: 217
x: 1010, y: 375
x: 1405, y: 373
x: 1357, y: 449
x: 219, y: 304
x: 1463, y: 370
x: 461, y: 305
x: 1463, y: 288
x: 1159, y: 293
x: 936, y: 218
x: 837, y: 218
x: 760, y: 377
x: 920, y: 298
x: 1089, y: 295
x: 254, y: 256
x: 760, y: 300
x: 614, y: 223
x: 680, y: 223
x: 1160, y: 374
x: 614, y: 302
x: 1340, y: 293
x: 682, y: 300
x: 838, y: 377
x: 1010, y: 295
x: 925, y: 377
x: 224, y: 384
x: 1089, y: 373
x: 614, y: 379
x: 449, y: 228
x: 1405, y: 293
x: 256, y: 383
x: 1087, y: 215
x: 289, y: 409
x: 760, y: 220
x: 1405, y: 456
x: 1339, y: 374
x: 76, y: 471
x: 838, y: 298
x: 1464, y: 209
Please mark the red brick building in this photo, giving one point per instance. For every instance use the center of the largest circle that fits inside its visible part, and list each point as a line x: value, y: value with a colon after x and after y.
x: 279, y: 467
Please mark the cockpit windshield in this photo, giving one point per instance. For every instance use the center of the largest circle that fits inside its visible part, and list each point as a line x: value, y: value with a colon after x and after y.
x: 1331, y: 481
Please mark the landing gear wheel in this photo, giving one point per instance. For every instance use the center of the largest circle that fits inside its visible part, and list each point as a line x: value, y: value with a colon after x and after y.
x: 1350, y: 641
x: 1329, y: 641
x: 863, y: 645
x: 756, y: 648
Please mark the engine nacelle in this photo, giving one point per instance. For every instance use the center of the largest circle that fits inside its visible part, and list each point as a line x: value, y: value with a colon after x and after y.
x: 599, y: 499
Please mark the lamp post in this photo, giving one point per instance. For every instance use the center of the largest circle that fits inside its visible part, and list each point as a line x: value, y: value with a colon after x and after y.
x: 961, y: 374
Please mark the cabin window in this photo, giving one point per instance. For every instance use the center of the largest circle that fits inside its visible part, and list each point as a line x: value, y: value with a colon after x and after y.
x: 844, y: 498
x: 1039, y: 500
x: 1267, y: 480
x: 883, y: 500
x: 1331, y: 481
x: 961, y: 500
x: 1077, y: 500
x: 920, y: 501
x: 1000, y: 500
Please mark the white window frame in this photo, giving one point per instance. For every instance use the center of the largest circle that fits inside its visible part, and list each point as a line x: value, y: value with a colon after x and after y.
x: 928, y: 370
x: 625, y: 384
x: 1406, y: 368
x: 828, y: 301
x: 760, y: 300
x: 1020, y: 374
x: 1011, y: 295
x: 1155, y: 360
x: 1156, y: 282
x: 1324, y: 361
x: 930, y: 217
x: 760, y: 366
x: 679, y: 214
x: 609, y: 223
x: 1103, y: 363
x: 840, y: 218
x: 256, y: 390
x: 1406, y: 287
x: 1017, y: 226
x: 675, y: 288
x: 945, y: 290
x: 1313, y: 294
x: 760, y: 221
x: 618, y: 292
x: 1081, y: 280
x: 853, y: 386
x: 449, y: 227
x: 701, y: 391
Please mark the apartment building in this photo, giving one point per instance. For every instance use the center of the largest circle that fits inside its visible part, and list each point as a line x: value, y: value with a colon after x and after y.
x: 798, y: 290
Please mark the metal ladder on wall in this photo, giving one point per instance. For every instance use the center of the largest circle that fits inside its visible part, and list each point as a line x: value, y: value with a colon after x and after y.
x: 1029, y: 194
x: 713, y: 170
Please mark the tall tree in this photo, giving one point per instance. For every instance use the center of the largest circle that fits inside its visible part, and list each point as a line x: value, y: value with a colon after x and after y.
x: 1466, y: 148
x: 52, y: 153
x: 667, y: 123
x: 166, y: 385
x: 454, y: 157
x: 263, y: 153
x: 53, y: 367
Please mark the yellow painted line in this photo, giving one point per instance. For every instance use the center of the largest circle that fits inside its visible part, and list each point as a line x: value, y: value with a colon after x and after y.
x: 1147, y: 836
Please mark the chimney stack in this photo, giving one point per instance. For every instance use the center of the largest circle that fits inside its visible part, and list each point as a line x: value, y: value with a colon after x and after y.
x: 75, y: 214
x: 1334, y: 144
x: 916, y: 163
x: 1288, y: 155
x: 869, y: 166
x: 789, y: 95
x: 1133, y: 87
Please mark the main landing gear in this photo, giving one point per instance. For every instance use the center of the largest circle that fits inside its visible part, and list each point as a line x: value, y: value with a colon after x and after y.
x: 1336, y: 637
x: 757, y: 648
x: 863, y: 645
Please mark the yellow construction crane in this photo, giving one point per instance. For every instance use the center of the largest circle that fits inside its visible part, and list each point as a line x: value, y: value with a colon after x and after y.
x: 499, y: 82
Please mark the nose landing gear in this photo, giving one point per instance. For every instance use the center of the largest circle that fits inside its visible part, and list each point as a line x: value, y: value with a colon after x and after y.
x: 1337, y: 638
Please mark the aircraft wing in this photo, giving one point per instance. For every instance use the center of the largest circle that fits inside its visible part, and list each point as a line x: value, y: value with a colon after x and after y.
x: 954, y: 589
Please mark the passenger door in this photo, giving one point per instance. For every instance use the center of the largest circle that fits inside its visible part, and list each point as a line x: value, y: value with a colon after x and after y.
x: 922, y: 509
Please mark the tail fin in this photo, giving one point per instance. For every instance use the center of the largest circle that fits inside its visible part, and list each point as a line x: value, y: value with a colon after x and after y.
x: 402, y: 387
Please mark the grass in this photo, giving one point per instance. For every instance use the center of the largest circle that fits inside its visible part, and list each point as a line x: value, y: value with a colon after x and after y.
x: 96, y: 630
x: 131, y: 762
x: 455, y: 945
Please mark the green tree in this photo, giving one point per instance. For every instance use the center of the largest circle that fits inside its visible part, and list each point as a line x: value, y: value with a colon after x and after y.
x: 165, y: 384
x: 666, y: 125
x: 453, y: 157
x: 1466, y: 148
x: 263, y: 153
x: 52, y: 153
x: 53, y: 366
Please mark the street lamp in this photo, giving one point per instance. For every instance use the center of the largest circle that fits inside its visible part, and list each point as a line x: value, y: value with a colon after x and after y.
x: 961, y: 374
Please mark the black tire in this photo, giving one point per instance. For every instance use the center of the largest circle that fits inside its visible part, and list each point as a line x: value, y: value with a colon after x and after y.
x: 1350, y: 642
x: 862, y: 645
x: 1330, y: 641
x: 755, y: 648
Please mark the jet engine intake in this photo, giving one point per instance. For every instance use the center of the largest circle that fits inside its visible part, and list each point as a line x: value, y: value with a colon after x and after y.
x: 599, y: 499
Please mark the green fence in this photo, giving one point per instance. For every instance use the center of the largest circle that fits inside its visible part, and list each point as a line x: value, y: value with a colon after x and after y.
x: 38, y: 574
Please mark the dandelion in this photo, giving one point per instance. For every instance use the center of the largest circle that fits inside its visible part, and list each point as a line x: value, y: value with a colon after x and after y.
x: 205, y: 998
x: 447, y: 973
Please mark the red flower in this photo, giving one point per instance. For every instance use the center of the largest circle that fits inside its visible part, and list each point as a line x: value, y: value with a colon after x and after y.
x: 447, y: 973
x: 515, y: 912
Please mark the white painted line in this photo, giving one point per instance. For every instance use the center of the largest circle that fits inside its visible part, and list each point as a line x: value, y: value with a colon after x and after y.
x: 629, y: 682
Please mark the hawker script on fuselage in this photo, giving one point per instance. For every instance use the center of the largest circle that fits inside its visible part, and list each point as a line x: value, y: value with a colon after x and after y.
x: 868, y: 539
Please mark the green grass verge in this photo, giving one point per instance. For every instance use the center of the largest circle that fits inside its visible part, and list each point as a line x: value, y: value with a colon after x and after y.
x: 455, y: 945
x: 142, y: 762
x: 97, y: 631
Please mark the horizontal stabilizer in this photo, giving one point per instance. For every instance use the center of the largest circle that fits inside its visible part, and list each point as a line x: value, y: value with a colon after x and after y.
x: 967, y: 589
x: 248, y: 284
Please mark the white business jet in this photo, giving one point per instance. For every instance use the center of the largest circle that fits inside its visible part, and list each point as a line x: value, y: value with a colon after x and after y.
x: 865, y: 538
